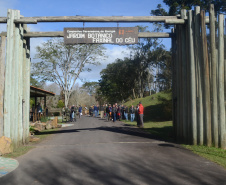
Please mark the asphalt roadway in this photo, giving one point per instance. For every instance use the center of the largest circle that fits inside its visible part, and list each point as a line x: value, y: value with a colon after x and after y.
x: 94, y: 151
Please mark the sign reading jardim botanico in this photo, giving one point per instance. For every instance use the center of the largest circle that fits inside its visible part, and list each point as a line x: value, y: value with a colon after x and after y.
x: 102, y: 35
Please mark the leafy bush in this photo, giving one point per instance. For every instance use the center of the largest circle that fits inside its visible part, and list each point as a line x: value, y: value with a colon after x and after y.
x: 44, y: 119
x: 32, y: 102
x: 60, y: 104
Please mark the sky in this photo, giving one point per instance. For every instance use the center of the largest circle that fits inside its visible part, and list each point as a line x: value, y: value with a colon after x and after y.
x: 32, y: 8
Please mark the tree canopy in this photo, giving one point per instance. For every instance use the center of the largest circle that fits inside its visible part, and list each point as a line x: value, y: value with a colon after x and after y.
x: 176, y: 5
x: 63, y: 64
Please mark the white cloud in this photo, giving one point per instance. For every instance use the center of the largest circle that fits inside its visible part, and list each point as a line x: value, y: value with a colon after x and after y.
x: 112, y: 53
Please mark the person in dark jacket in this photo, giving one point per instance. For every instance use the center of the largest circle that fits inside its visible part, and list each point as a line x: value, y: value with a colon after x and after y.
x: 119, y: 113
x: 91, y: 111
x: 108, y: 112
x: 95, y: 110
x: 72, y: 115
x: 114, y: 113
x: 80, y: 111
x: 122, y: 111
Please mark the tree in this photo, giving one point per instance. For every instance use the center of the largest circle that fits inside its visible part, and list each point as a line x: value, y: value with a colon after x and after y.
x: 80, y: 97
x: 53, y: 87
x: 90, y: 87
x: 176, y: 5
x: 35, y: 82
x: 119, y: 81
x: 62, y: 64
x: 142, y: 52
x: 60, y: 104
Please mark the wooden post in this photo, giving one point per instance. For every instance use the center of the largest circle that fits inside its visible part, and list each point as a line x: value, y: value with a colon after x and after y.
x: 15, y: 83
x: 199, y: 72
x: 44, y: 102
x: 184, y: 75
x: 174, y: 85
x: 180, y: 63
x: 189, y: 126
x: 213, y: 77
x: 178, y: 40
x: 206, y: 84
x: 24, y: 88
x: 21, y: 85
x: 8, y: 76
x: 2, y: 82
x: 27, y: 88
x: 193, y: 79
x: 221, y: 82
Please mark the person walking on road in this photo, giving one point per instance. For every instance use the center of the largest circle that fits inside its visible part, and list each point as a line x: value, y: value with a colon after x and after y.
x: 137, y: 115
x: 108, y: 112
x: 119, y: 114
x: 126, y: 113
x: 114, y: 113
x: 102, y: 111
x: 80, y: 111
x: 141, y: 115
x: 95, y: 110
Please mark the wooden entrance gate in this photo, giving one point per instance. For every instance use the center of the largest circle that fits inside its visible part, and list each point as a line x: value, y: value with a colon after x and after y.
x: 198, y: 73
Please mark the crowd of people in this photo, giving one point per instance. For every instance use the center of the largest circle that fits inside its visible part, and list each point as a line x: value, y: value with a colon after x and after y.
x: 106, y: 111
x: 70, y: 112
x: 118, y: 112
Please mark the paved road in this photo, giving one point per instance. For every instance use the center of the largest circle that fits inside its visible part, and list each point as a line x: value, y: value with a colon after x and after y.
x: 94, y: 151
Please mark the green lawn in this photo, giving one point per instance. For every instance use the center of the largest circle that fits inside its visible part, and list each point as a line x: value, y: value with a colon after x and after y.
x: 19, y: 151
x: 25, y: 148
x: 163, y: 129
x: 216, y: 155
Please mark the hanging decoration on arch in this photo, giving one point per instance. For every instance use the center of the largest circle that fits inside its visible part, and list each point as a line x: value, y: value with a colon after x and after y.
x: 101, y: 35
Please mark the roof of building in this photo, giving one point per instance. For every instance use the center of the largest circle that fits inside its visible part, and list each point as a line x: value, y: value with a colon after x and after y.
x: 37, y: 92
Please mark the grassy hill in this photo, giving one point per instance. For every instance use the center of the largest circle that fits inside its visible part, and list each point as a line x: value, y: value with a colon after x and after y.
x: 157, y: 114
x: 157, y: 107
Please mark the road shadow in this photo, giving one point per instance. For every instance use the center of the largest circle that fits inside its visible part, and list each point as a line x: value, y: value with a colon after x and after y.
x: 79, y: 167
x: 133, y: 131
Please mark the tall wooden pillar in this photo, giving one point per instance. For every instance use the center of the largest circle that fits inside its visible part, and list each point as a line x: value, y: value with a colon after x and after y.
x: 26, y: 87
x: 220, y: 95
x: 206, y: 84
x: 174, y: 84
x: 192, y: 78
x: 14, y: 82
x: 184, y: 76
x: 213, y: 77
x: 2, y: 81
x: 8, y: 103
x: 199, y: 81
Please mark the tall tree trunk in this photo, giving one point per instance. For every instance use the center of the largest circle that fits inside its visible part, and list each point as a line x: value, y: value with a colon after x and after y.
x: 134, y: 95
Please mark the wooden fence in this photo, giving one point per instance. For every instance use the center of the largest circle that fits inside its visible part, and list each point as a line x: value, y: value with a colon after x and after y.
x: 198, y: 80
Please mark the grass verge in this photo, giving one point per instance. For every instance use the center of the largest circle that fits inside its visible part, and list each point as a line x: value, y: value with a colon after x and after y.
x: 162, y: 129
x: 23, y: 149
x: 216, y: 155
